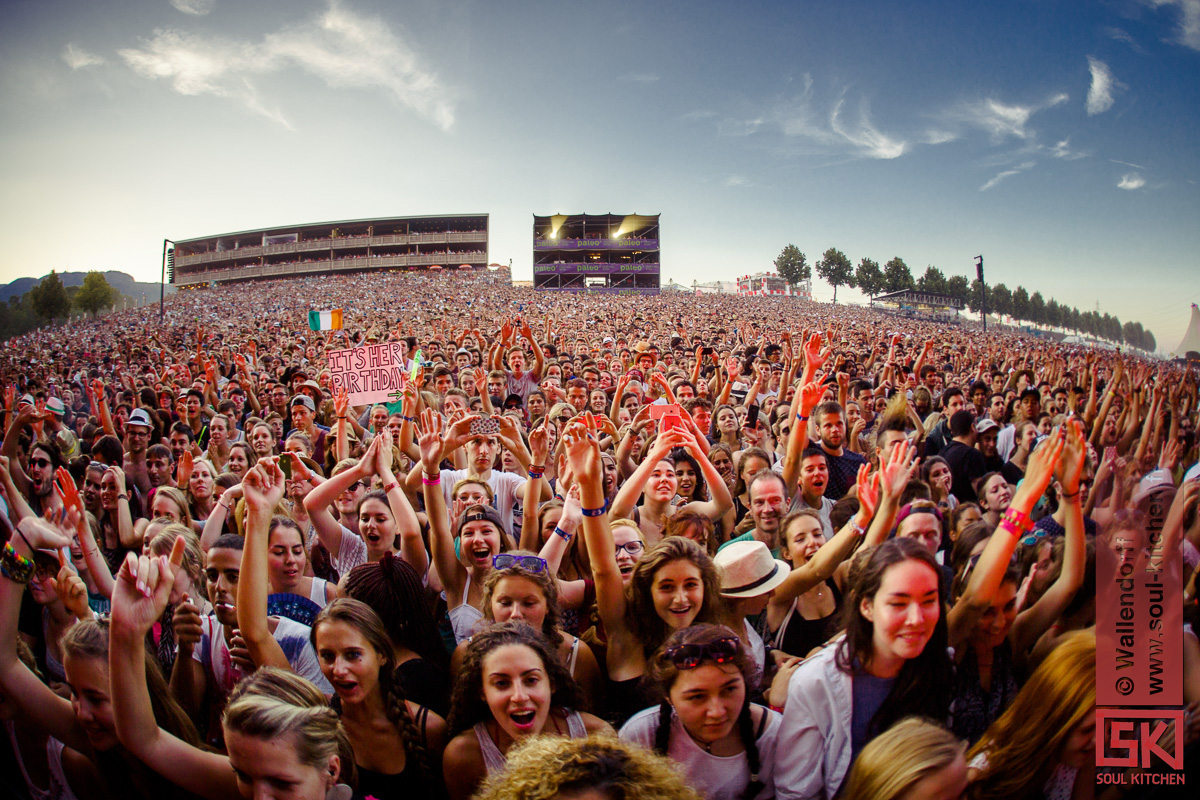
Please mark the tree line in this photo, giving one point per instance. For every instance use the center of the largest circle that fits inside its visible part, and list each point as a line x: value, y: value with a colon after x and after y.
x: 836, y: 269
x: 50, y: 300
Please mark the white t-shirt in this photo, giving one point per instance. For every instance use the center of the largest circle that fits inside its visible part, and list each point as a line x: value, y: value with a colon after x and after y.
x: 715, y: 777
x: 506, y: 488
x: 293, y: 637
x: 351, y: 552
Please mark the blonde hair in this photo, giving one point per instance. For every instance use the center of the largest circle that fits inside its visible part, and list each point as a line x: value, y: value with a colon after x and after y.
x: 1060, y: 694
x: 177, y: 497
x: 545, y: 767
x: 193, y: 556
x: 273, y: 704
x: 893, y: 762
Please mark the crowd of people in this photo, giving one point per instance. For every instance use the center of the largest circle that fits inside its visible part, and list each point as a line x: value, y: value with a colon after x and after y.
x: 685, y: 546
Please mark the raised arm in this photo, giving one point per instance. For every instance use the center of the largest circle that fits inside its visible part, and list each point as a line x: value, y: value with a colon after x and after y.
x: 721, y: 500
x: 318, y: 502
x: 68, y: 495
x: 263, y: 487
x: 408, y: 527
x: 989, y: 571
x: 539, y: 445
x: 631, y: 490
x: 1032, y: 622
x: 430, y: 441
x: 141, y: 594
x: 809, y: 397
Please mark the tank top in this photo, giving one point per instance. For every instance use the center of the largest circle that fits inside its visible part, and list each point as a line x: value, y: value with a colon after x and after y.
x: 798, y: 636
x: 495, y: 760
x: 464, y: 618
x: 317, y: 594
x: 59, y: 789
x: 408, y: 782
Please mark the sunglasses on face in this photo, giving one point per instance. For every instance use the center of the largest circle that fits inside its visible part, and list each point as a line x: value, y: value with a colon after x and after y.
x: 689, y: 656
x: 352, y: 487
x: 506, y: 560
x: 40, y: 463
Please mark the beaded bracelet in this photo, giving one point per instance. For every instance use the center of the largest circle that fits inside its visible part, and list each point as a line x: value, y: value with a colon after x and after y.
x: 428, y: 481
x: 15, y: 566
x: 566, y: 536
x: 594, y: 512
x: 1015, y: 522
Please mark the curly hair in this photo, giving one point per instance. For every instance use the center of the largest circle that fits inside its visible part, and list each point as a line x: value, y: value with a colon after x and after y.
x: 923, y: 685
x: 547, y: 767
x: 543, y: 580
x: 641, y: 617
x: 662, y: 672
x: 467, y: 705
x: 359, y: 616
x: 1060, y: 694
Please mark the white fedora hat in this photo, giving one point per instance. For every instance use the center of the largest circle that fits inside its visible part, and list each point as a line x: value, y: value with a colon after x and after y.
x: 749, y: 570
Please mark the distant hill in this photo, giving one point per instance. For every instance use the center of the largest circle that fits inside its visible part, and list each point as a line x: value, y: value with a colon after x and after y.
x: 121, y: 281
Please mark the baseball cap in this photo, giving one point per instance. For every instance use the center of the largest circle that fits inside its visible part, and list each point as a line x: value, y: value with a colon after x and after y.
x: 986, y: 424
x: 303, y: 400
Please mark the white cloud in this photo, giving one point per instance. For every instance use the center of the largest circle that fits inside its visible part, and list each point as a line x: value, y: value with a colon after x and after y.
x: 801, y: 116
x: 340, y: 47
x: 78, y: 58
x: 999, y: 120
x: 197, y: 8
x: 1131, y: 181
x: 1188, y: 31
x: 1008, y: 173
x: 1100, y: 93
x: 735, y: 181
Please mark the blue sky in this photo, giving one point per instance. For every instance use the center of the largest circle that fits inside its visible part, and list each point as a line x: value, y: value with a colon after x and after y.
x: 1058, y: 139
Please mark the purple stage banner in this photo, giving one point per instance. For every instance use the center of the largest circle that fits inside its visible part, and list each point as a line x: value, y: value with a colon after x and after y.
x: 598, y: 289
x: 593, y: 267
x: 595, y: 244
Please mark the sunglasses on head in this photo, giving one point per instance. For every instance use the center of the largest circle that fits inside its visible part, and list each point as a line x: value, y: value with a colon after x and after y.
x: 506, y: 560
x: 689, y: 656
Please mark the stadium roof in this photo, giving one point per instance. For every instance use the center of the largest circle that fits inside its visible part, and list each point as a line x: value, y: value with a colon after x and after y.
x: 288, y: 228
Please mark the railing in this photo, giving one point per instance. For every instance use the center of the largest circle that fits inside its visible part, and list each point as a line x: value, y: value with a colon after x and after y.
x: 341, y: 243
x: 449, y: 260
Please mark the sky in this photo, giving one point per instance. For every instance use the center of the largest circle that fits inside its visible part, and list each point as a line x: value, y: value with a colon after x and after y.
x: 1057, y: 139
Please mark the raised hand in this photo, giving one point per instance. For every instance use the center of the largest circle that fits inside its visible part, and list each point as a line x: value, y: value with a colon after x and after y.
x: 583, y: 448
x: 868, y: 494
x: 187, y: 626
x: 814, y: 356
x: 1070, y: 468
x: 811, y: 394
x: 66, y: 490
x: 898, y: 471
x: 71, y: 589
x: 143, y: 588
x: 430, y: 440
x: 341, y: 402
x: 186, y: 463
x: 539, y: 444
x: 263, y: 486
x: 1041, y: 467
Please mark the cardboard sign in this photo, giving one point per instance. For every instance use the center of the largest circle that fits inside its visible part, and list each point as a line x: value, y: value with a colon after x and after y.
x: 370, y: 374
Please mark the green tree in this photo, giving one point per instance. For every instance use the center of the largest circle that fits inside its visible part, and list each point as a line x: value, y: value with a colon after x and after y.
x: 836, y: 270
x: 975, y: 297
x: 793, y: 266
x: 49, y: 298
x: 868, y: 277
x: 958, y: 286
x: 896, y: 276
x: 1037, y: 309
x: 1148, y: 341
x: 1020, y: 304
x: 95, y: 293
x: 999, y: 300
x: 933, y: 281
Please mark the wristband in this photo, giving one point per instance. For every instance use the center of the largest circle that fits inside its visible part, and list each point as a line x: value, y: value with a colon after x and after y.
x: 395, y: 485
x: 122, y: 497
x: 343, y: 419
x: 1015, y: 522
x: 408, y: 419
x: 428, y: 481
x: 1071, y: 496
x: 15, y: 566
x: 777, y: 709
x: 859, y: 530
x: 594, y: 512
x: 566, y: 536
x: 802, y: 417
x: 537, y: 472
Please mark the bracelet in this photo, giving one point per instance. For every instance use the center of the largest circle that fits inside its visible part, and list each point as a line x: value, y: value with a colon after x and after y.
x: 122, y: 497
x: 15, y: 566
x: 408, y: 419
x: 594, y: 512
x: 537, y: 472
x: 802, y: 417
x: 1066, y: 496
x: 393, y: 485
x: 342, y: 418
x: 859, y: 530
x: 566, y: 536
x: 777, y: 709
x: 1015, y: 522
x: 425, y: 479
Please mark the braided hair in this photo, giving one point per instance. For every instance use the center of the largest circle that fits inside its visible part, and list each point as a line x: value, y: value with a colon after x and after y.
x: 362, y: 618
x: 393, y: 590
x: 662, y: 672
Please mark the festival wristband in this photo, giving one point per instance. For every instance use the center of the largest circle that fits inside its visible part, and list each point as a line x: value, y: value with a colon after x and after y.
x: 428, y: 481
x: 395, y: 485
x: 566, y: 536
x: 594, y: 512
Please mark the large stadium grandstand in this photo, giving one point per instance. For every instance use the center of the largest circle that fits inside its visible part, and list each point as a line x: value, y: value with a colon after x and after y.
x: 357, y: 245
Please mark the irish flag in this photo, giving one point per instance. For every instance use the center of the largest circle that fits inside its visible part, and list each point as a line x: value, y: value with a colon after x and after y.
x: 325, y: 320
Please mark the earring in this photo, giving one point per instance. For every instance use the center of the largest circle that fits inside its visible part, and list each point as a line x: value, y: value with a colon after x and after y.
x: 339, y: 792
